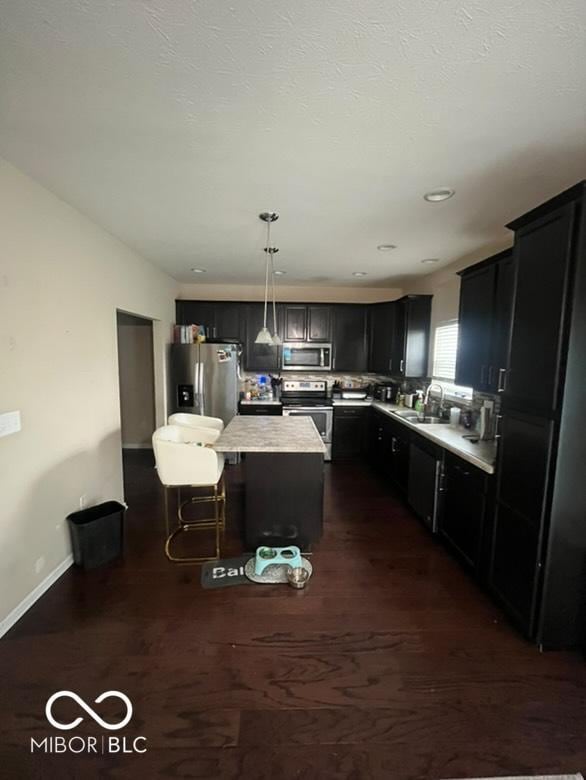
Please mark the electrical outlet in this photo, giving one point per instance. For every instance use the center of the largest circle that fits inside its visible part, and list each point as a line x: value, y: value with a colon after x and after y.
x: 39, y: 565
x: 9, y: 423
x: 83, y: 501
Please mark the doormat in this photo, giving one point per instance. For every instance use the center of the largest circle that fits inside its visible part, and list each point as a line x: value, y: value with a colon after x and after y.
x: 532, y: 777
x: 224, y: 573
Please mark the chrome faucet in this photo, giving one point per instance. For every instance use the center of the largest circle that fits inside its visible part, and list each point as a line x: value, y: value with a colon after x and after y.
x: 426, y: 397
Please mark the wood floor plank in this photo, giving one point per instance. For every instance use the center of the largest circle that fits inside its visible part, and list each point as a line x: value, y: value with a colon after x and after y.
x: 391, y: 664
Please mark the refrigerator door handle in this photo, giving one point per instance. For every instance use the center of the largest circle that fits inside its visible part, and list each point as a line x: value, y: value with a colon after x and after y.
x: 201, y: 389
x: 196, y: 399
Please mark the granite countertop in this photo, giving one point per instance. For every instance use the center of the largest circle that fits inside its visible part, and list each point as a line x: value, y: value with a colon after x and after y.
x: 482, y: 454
x: 270, y: 434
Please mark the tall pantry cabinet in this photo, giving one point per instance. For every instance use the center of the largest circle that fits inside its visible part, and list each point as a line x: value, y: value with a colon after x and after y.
x: 538, y: 556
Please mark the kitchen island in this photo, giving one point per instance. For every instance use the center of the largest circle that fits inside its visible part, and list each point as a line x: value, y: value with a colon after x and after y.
x: 284, y: 478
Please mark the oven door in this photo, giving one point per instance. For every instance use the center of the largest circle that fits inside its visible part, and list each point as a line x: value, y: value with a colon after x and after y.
x: 307, y: 357
x: 322, y: 416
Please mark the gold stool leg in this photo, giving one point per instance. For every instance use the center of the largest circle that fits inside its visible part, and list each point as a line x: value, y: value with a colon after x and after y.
x: 185, y: 526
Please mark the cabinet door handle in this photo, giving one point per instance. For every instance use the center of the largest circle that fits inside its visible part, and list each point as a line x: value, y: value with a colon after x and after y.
x: 490, y: 375
x: 390, y: 364
x: 482, y: 375
x: 501, y: 384
x: 401, y: 364
x: 393, y: 444
x: 497, y: 434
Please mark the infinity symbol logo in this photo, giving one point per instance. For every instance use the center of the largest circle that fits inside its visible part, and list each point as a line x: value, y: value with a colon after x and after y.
x: 89, y: 710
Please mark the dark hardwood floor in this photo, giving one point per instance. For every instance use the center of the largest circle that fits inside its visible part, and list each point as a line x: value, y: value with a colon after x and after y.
x: 391, y: 664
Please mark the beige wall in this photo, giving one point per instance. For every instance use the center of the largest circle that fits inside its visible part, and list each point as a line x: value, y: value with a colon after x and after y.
x: 61, y: 280
x: 289, y: 293
x: 136, y: 372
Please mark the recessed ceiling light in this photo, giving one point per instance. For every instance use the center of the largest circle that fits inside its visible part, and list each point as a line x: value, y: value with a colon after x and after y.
x: 359, y: 273
x: 435, y: 196
x: 386, y: 247
x: 430, y: 260
x: 280, y: 273
x: 199, y: 270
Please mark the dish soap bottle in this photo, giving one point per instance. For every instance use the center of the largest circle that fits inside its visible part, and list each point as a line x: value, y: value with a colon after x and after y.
x: 419, y: 402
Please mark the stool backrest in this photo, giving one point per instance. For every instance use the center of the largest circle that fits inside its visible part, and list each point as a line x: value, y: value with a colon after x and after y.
x: 196, y: 421
x: 181, y: 458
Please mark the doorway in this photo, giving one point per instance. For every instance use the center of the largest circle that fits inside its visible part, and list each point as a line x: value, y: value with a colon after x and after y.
x: 137, y: 389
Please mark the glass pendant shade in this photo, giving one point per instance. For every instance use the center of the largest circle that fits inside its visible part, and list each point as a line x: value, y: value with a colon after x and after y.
x: 264, y: 337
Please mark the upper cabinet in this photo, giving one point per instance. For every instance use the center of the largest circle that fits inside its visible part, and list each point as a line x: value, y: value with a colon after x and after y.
x: 221, y: 319
x: 399, y: 336
x: 543, y: 251
x: 381, y: 337
x: 410, y: 347
x: 260, y: 357
x: 308, y: 322
x: 350, y: 337
x: 486, y: 294
x: 398, y: 330
x: 319, y: 323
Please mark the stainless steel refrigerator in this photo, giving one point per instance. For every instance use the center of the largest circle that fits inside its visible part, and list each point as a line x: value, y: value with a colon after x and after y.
x: 204, y: 379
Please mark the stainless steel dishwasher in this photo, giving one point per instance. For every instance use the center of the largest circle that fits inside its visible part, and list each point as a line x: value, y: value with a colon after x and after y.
x: 425, y: 484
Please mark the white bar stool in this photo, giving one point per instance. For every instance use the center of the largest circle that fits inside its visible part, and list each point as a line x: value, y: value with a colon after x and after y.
x: 184, y: 458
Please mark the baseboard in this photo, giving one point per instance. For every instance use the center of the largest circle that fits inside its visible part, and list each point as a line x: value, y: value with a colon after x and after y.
x: 137, y: 446
x: 18, y: 611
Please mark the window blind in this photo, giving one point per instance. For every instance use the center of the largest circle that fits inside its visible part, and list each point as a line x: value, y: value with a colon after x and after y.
x: 444, y: 350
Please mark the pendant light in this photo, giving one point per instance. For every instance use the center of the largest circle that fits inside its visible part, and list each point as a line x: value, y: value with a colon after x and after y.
x: 276, y: 338
x: 264, y: 335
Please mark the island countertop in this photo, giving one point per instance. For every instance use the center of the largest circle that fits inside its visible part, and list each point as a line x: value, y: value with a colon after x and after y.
x: 270, y: 434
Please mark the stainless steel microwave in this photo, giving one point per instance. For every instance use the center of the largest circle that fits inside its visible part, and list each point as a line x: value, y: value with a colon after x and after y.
x: 306, y: 357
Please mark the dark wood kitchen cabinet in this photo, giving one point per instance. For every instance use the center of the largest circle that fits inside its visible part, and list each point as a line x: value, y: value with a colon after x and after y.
x: 350, y: 429
x: 515, y: 566
x: 221, y: 319
x: 295, y: 322
x: 464, y: 505
x: 539, y: 537
x: 397, y: 453
x: 543, y: 253
x: 308, y: 322
x: 319, y: 323
x: 350, y: 337
x: 260, y: 357
x: 486, y: 295
x: 410, y: 340
x: 378, y: 440
x: 381, y: 316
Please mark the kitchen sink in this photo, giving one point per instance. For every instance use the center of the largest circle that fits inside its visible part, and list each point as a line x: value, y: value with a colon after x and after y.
x: 413, y: 417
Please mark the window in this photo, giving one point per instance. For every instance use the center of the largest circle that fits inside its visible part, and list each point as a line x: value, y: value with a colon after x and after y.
x: 445, y: 347
x: 444, y: 350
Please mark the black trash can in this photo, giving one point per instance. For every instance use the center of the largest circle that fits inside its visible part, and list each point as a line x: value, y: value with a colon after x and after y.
x: 97, y: 534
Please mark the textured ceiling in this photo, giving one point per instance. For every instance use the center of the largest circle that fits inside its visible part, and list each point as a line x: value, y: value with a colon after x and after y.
x: 172, y: 124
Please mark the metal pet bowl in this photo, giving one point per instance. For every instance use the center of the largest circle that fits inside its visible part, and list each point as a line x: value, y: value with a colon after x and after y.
x: 297, y: 577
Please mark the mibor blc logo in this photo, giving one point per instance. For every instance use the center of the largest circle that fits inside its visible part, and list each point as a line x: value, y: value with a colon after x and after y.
x: 101, y: 744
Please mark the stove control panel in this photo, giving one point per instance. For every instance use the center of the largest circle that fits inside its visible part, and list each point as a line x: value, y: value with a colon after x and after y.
x: 303, y: 386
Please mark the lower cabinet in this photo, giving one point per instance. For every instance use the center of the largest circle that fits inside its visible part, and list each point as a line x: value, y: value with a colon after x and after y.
x: 350, y: 429
x: 464, y: 508
x: 425, y: 465
x: 398, y: 454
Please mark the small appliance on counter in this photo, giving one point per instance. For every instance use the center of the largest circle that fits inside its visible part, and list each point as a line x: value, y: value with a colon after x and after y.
x: 354, y: 393
x: 387, y: 392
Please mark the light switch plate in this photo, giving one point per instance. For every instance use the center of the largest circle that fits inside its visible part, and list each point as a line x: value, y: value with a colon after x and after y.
x: 9, y: 423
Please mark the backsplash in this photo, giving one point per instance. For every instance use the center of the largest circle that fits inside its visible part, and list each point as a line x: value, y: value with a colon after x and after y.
x: 252, y: 379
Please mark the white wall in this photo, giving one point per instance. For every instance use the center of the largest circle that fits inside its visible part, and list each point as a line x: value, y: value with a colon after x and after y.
x: 289, y: 293
x: 61, y: 280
